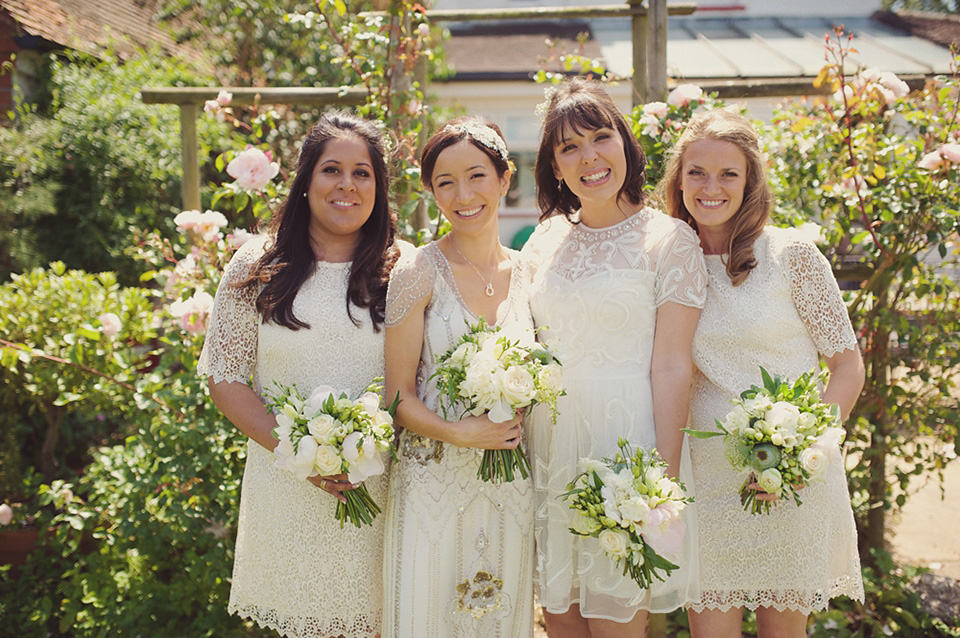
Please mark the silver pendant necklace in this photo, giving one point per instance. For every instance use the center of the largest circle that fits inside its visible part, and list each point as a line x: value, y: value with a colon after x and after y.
x: 489, y: 289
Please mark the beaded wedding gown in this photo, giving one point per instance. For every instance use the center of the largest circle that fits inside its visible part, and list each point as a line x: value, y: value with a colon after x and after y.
x: 781, y: 316
x: 295, y: 570
x: 459, y: 551
x: 595, y: 298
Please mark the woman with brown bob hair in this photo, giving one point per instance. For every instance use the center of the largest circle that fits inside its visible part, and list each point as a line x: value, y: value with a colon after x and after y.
x: 618, y: 289
x: 772, y: 301
x: 289, y: 312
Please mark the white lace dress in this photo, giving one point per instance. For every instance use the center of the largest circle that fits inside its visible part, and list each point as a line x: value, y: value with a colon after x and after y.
x: 295, y: 570
x: 595, y: 296
x: 459, y: 551
x: 786, y: 312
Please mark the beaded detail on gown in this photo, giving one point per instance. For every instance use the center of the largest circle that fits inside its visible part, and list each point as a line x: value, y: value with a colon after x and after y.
x: 293, y: 564
x: 786, y: 313
x: 595, y: 298
x: 459, y: 551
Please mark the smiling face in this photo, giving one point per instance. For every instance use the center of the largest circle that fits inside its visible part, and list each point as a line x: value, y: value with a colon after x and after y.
x: 341, y: 195
x: 467, y: 188
x: 713, y: 175
x: 593, y: 165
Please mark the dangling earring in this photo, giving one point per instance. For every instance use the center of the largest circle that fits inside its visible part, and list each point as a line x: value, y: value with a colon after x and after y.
x: 560, y: 184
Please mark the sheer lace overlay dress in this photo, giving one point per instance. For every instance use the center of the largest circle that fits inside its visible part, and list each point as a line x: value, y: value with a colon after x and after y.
x: 595, y: 298
x: 459, y: 551
x: 295, y: 570
x: 786, y: 313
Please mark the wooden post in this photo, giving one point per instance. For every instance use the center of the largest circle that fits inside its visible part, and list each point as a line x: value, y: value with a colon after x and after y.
x: 191, y: 165
x: 420, y: 217
x: 639, y: 31
x: 657, y: 50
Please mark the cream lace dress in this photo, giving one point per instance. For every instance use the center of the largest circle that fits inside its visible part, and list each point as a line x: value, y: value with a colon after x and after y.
x: 786, y: 313
x: 595, y: 297
x: 459, y: 551
x: 295, y: 570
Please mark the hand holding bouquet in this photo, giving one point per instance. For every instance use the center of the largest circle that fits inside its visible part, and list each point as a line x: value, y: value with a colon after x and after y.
x: 633, y: 509
x: 783, y: 433
x: 326, y: 434
x: 488, y: 371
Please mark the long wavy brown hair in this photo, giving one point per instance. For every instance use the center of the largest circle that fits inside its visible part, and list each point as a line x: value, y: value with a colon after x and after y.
x: 579, y: 104
x: 748, y: 222
x: 289, y: 260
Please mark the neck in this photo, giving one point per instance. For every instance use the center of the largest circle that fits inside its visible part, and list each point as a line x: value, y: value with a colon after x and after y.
x: 335, y: 250
x: 481, y: 251
x: 607, y: 215
x: 713, y: 243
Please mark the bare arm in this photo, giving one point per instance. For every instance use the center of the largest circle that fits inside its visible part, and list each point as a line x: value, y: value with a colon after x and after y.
x: 404, y: 342
x: 846, y: 380
x: 671, y: 373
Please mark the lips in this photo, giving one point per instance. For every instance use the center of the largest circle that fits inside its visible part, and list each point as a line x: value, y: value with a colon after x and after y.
x: 343, y: 203
x: 593, y: 178
x: 711, y: 203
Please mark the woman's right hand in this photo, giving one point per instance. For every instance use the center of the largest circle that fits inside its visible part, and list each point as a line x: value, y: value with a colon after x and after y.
x: 481, y: 432
x: 333, y: 485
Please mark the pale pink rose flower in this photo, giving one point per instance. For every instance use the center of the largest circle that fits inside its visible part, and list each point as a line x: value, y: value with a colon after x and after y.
x: 423, y: 30
x: 238, y: 238
x: 6, y: 514
x: 951, y: 153
x: 650, y: 124
x: 211, y: 106
x: 187, y: 266
x: 110, y: 324
x: 871, y: 75
x: 208, y: 225
x: 932, y: 161
x: 192, y: 313
x: 656, y: 109
x: 187, y: 220
x: 224, y: 97
x: 252, y: 169
x: 892, y: 83
x: 684, y: 94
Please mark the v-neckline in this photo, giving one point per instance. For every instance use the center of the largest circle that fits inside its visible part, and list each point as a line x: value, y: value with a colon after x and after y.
x: 452, y: 281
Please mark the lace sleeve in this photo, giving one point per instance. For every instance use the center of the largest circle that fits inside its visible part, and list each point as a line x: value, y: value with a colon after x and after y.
x: 411, y: 280
x: 817, y: 297
x: 230, y: 348
x: 681, y: 271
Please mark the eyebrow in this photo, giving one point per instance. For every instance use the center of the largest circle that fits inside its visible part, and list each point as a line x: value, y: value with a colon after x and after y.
x: 474, y: 167
x: 334, y: 160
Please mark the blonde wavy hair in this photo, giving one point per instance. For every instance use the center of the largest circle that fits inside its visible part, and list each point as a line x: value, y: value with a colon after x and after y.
x: 748, y: 222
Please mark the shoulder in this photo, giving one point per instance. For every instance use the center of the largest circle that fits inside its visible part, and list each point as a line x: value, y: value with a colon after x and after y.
x: 243, y: 262
x: 788, y: 244
x: 419, y: 261
x: 661, y: 223
x: 546, y: 237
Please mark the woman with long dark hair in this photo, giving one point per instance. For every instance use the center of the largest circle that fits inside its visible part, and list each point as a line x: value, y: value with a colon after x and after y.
x: 303, y: 304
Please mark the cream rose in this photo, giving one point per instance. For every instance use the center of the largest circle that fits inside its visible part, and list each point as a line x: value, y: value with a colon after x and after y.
x: 326, y: 460
x: 814, y: 461
x: 551, y: 378
x: 770, y: 481
x: 613, y: 543
x: 516, y: 384
x: 323, y: 428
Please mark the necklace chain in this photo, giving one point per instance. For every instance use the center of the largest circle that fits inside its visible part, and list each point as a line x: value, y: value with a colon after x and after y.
x: 489, y: 289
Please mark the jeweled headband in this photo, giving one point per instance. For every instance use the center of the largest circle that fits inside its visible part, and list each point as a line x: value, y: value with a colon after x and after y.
x: 483, y: 134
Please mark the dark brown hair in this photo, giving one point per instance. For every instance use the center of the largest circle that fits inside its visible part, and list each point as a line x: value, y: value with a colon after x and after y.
x: 454, y: 132
x: 748, y: 222
x: 290, y: 260
x: 581, y: 105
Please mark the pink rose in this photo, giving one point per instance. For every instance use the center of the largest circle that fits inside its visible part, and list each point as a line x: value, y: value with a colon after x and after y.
x: 932, y: 161
x: 252, y: 169
x: 224, y: 97
x: 892, y: 83
x: 656, y: 109
x: 110, y: 324
x: 684, y: 94
x: 951, y: 153
x: 187, y: 220
x: 6, y: 514
x: 211, y: 106
x: 192, y: 313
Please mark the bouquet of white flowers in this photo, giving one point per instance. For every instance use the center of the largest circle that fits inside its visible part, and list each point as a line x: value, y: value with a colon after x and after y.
x: 488, y: 371
x: 633, y: 509
x: 783, y: 433
x: 327, y: 434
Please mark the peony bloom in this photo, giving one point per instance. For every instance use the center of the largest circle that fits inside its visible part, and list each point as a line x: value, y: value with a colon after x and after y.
x: 650, y: 124
x: 192, y: 313
x: 684, y: 94
x: 6, y: 514
x: 252, y: 169
x: 110, y: 324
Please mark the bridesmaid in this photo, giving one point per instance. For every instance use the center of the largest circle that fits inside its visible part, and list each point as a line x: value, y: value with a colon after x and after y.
x: 772, y: 301
x: 617, y: 292
x: 459, y: 553
x: 304, y: 305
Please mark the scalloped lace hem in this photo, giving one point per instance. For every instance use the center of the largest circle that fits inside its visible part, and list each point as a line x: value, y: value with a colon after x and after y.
x: 308, y: 627
x: 802, y: 601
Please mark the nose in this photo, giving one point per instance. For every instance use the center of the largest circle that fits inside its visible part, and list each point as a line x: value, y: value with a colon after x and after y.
x: 589, y: 153
x: 711, y: 185
x: 463, y: 193
x: 346, y: 182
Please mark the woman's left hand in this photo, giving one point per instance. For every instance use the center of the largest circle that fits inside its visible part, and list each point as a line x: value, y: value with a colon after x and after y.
x: 333, y: 485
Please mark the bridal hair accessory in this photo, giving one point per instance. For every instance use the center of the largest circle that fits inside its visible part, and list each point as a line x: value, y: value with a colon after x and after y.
x: 544, y: 106
x: 483, y: 134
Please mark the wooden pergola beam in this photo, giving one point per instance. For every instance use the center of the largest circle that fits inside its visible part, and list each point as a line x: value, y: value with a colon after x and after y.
x: 543, y: 13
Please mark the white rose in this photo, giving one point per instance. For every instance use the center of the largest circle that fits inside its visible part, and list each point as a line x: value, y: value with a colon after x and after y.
x: 327, y: 461
x: 635, y: 510
x: 551, y: 378
x: 322, y: 427
x: 770, y: 481
x: 516, y: 384
x: 813, y: 461
x: 613, y: 542
x: 737, y: 420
